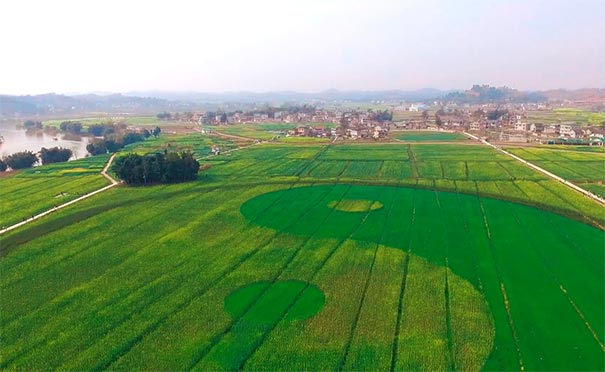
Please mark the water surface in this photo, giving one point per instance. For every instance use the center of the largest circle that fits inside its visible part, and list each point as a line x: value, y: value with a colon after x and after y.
x: 16, y: 140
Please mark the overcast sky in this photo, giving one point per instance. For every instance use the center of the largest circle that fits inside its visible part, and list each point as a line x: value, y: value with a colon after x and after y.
x: 214, y: 46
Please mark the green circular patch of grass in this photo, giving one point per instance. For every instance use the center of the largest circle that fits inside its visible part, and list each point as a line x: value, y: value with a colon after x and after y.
x: 265, y: 302
x: 348, y: 205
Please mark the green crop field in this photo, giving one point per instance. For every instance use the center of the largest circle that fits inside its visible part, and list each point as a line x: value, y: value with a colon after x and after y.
x: 270, y: 131
x: 199, y: 144
x: 567, y: 114
x: 472, y: 169
x: 427, y: 136
x: 85, y: 121
x: 584, y: 168
x: 132, y: 120
x: 29, y: 192
x: 313, y: 257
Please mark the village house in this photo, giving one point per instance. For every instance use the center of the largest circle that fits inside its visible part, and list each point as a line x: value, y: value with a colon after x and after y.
x: 566, y: 129
x: 302, y: 131
x: 552, y: 130
x: 521, y: 127
x: 537, y: 128
x: 352, y: 133
x: 476, y: 125
x: 318, y: 131
x: 576, y: 133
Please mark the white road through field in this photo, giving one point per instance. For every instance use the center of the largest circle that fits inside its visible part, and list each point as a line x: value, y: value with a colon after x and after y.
x: 85, y: 196
x: 542, y: 170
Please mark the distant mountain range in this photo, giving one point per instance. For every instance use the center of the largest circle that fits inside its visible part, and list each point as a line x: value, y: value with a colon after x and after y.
x: 279, y: 97
x: 59, y: 104
x: 149, y: 102
x: 488, y: 94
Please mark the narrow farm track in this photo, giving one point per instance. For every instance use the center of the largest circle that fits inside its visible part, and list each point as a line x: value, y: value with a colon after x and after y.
x: 542, y: 170
x: 112, y: 181
x: 230, y: 150
x: 221, y: 134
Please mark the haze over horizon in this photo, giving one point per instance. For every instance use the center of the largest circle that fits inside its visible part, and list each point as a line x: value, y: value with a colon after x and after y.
x: 70, y: 46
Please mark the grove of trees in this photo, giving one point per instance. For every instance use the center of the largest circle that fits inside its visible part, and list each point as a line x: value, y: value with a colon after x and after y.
x: 71, y: 126
x: 55, y: 155
x: 99, y: 130
x: 21, y: 160
x: 382, y: 115
x: 31, y: 124
x: 113, y: 141
x: 166, y: 167
x: 164, y: 115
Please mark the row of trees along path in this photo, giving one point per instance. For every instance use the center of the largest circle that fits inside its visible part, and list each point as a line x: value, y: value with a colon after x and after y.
x: 112, y: 181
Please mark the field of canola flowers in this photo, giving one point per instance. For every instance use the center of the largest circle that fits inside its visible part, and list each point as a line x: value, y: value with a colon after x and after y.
x: 268, y: 263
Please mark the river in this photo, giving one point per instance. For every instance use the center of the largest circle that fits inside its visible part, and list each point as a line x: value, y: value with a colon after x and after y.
x: 16, y: 140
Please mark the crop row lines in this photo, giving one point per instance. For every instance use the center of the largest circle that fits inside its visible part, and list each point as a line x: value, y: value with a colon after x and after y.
x: 152, y: 327
x: 365, y: 289
x: 84, y: 234
x: 113, y: 301
x: 406, y: 265
x: 448, y: 310
x: 559, y: 283
x: 502, y: 289
x: 312, y: 277
x: 312, y: 160
x: 215, y: 340
x: 50, y: 303
x: 131, y: 293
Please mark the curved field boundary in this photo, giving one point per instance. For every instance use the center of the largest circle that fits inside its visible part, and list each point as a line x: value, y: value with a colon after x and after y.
x: 366, y: 286
x: 559, y: 283
x: 129, y: 345
x: 221, y: 335
x: 310, y: 280
x: 542, y: 170
x: 402, y: 286
x: 182, y: 305
x: 85, y: 196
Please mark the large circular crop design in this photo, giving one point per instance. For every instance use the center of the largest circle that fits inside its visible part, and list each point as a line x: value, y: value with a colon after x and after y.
x: 487, y: 258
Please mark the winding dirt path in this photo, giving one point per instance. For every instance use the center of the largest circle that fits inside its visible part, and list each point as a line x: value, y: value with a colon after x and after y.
x: 112, y: 181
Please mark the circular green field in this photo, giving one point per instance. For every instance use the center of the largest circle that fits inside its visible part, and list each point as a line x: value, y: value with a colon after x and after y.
x: 306, y: 300
x: 521, y: 262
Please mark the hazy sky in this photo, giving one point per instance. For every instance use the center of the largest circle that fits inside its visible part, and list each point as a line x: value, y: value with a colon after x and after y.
x: 81, y: 46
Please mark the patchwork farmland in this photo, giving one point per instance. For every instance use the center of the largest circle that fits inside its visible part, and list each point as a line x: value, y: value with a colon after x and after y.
x: 584, y: 168
x: 312, y: 257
